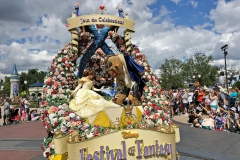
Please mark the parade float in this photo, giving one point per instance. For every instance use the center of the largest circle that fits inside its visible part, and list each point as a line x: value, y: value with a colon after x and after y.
x: 80, y: 120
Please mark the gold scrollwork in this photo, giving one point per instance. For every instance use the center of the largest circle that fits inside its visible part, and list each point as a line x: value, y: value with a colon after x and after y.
x: 127, y: 135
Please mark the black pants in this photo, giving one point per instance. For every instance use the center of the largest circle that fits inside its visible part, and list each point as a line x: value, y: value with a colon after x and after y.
x: 0, y: 113
x: 28, y: 115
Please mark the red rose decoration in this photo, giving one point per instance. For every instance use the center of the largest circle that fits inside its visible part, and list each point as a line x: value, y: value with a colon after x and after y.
x: 47, y: 154
x: 54, y: 92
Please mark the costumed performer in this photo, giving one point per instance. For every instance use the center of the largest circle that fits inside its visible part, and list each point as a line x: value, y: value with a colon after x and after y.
x: 76, y: 9
x: 86, y: 102
x: 120, y: 11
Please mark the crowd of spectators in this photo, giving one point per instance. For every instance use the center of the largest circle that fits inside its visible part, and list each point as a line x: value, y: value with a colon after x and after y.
x: 17, y: 114
x: 212, y: 109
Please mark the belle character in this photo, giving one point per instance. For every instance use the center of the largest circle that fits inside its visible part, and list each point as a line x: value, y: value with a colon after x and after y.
x: 86, y: 102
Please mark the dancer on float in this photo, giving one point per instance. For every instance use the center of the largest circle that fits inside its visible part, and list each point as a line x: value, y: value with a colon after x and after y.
x: 86, y: 102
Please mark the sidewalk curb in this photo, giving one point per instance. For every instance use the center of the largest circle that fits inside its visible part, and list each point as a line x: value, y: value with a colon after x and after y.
x: 21, y: 139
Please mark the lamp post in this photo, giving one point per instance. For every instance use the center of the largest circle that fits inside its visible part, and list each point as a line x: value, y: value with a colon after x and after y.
x: 224, y: 48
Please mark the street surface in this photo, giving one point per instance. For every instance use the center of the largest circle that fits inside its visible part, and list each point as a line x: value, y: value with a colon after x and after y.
x: 23, y: 141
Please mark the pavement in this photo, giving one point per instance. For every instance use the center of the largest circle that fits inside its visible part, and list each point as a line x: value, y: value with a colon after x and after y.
x: 23, y: 141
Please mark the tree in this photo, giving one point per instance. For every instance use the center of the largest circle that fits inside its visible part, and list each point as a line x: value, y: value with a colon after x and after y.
x: 236, y: 84
x: 171, y: 73
x: 175, y: 73
x: 32, y: 76
x: 7, y: 86
x: 202, y: 65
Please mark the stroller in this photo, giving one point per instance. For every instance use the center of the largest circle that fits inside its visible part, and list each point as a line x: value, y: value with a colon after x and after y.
x: 14, y: 116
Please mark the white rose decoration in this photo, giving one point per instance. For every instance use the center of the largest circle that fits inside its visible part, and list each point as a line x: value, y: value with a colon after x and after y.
x: 72, y: 115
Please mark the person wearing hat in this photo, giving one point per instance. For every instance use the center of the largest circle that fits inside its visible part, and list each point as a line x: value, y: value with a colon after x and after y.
x: 231, y: 119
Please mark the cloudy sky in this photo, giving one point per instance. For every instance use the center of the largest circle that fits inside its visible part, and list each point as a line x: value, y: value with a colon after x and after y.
x: 32, y: 32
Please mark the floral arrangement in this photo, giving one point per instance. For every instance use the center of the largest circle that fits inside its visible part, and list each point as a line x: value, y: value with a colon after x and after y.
x: 97, y: 64
x: 61, y: 79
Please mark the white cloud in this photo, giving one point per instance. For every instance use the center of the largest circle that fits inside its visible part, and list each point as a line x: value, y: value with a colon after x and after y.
x: 193, y: 3
x: 226, y: 16
x: 176, y: 1
x: 158, y: 37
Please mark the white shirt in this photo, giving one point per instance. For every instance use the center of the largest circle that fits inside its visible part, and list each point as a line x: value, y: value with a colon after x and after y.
x: 26, y: 104
x: 185, y: 98
x: 190, y: 96
x: 214, y: 102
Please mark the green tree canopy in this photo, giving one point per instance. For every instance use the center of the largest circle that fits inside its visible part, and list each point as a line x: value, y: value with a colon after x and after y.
x: 32, y: 76
x: 175, y: 73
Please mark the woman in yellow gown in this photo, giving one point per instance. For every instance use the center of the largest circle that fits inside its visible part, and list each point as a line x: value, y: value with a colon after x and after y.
x: 86, y: 102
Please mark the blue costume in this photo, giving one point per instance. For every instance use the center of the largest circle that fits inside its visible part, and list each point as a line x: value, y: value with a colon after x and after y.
x: 120, y: 12
x: 99, y: 42
x: 135, y: 70
x: 76, y: 9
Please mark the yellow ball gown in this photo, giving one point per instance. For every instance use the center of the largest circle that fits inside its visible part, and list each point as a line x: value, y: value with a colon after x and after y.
x: 86, y: 102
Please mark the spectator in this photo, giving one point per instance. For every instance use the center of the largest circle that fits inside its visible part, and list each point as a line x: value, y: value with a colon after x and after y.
x: 191, y: 116
x: 237, y: 121
x: 209, y: 123
x: 23, y: 115
x: 238, y: 95
x: 207, y: 98
x: 6, y: 115
x: 200, y: 96
x: 197, y: 121
x: 234, y: 96
x: 190, y: 97
x: 238, y: 107
x: 214, y: 101
x: 185, y: 101
x: 39, y: 101
x: 34, y: 115
x: 231, y: 125
x: 199, y: 108
x: 222, y: 102
x: 21, y: 107
x: 26, y: 106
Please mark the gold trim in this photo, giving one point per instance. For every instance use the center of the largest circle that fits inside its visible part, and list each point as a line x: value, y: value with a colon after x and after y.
x: 165, y: 130
x: 87, y: 20
x: 129, y: 134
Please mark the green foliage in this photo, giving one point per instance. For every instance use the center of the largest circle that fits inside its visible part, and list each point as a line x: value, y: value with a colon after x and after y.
x: 171, y: 73
x: 33, y: 104
x: 175, y: 73
x: 32, y: 76
x: 236, y: 84
x: 7, y: 86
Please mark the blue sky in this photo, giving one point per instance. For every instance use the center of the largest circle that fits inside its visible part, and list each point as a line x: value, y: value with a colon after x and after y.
x: 186, y: 13
x: 35, y: 30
